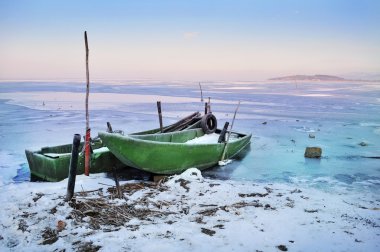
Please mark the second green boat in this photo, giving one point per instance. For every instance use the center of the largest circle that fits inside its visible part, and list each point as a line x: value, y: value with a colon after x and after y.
x: 171, y: 153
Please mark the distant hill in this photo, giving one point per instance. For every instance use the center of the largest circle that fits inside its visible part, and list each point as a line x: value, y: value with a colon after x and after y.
x: 317, y: 77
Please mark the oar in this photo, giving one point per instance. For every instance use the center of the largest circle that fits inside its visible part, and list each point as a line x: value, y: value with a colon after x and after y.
x: 228, y: 137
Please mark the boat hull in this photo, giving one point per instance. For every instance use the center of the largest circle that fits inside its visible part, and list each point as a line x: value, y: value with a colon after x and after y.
x: 169, y: 153
x: 52, y: 163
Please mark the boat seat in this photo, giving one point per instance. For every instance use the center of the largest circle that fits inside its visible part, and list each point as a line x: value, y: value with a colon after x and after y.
x: 56, y: 155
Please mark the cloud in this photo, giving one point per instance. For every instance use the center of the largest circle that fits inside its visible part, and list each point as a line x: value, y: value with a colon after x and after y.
x: 190, y: 35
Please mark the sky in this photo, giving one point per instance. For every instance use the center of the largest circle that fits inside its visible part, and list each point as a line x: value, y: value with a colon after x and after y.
x: 195, y: 40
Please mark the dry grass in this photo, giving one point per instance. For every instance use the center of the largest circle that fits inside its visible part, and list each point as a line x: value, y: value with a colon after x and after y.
x: 103, y: 211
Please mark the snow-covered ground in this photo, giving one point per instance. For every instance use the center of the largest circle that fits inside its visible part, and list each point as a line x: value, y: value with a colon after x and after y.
x: 185, y: 213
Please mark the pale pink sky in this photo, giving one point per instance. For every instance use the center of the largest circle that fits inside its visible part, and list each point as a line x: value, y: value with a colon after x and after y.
x: 188, y: 40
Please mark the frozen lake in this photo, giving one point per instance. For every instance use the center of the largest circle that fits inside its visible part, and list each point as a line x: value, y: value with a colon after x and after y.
x: 343, y: 117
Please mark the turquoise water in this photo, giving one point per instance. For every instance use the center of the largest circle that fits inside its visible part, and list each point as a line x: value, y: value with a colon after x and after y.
x: 281, y: 116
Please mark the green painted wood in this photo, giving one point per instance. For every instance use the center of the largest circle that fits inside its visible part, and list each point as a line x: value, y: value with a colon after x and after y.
x: 168, y: 153
x: 56, y: 167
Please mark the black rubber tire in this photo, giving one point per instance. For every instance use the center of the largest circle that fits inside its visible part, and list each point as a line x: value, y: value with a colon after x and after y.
x: 209, y: 123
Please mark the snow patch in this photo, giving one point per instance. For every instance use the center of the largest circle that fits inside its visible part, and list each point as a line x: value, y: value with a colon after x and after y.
x: 191, y: 174
x: 205, y: 139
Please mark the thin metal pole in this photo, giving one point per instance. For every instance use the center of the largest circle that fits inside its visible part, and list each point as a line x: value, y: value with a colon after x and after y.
x: 229, y: 133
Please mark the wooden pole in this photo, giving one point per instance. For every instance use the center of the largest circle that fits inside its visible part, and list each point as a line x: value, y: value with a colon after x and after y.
x: 118, y: 190
x: 229, y: 133
x: 201, y: 92
x: 73, y: 167
x: 209, y: 105
x: 88, y: 131
x: 222, y: 136
x: 109, y: 127
x: 159, y: 114
x: 206, y: 108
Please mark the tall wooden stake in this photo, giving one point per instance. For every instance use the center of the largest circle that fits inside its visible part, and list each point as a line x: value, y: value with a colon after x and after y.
x: 88, y: 131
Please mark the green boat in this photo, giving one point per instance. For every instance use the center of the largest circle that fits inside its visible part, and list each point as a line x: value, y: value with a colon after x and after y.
x: 52, y: 163
x: 172, y: 153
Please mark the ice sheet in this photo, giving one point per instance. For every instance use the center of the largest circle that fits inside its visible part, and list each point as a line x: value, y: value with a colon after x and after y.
x: 278, y: 114
x: 343, y: 185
